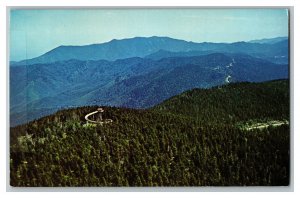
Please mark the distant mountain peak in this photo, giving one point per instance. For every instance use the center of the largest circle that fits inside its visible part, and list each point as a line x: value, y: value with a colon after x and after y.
x: 144, y: 46
x: 269, y: 40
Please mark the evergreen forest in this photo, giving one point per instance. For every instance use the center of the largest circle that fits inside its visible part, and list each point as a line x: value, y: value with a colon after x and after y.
x: 201, y: 137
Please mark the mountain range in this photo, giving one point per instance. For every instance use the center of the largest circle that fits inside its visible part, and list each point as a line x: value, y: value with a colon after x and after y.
x: 275, y: 49
x: 136, y: 73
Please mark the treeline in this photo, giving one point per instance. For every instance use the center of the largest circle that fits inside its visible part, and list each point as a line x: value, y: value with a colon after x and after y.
x: 155, y: 147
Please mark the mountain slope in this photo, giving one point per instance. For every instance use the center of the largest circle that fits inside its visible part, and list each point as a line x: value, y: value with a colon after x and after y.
x: 164, y: 146
x: 134, y: 82
x: 232, y: 103
x: 190, y: 72
x: 167, y: 54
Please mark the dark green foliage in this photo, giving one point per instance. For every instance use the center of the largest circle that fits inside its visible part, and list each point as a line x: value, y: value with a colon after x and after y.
x: 232, y: 103
x: 189, y: 140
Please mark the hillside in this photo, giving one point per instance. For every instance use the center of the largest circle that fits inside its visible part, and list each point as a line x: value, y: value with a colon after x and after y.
x: 132, y: 82
x: 193, y: 139
x: 229, y: 104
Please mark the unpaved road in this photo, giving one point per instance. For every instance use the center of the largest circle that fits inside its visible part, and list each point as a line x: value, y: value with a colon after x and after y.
x: 274, y: 123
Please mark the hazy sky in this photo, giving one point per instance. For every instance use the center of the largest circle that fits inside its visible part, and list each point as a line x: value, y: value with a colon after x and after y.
x: 34, y: 32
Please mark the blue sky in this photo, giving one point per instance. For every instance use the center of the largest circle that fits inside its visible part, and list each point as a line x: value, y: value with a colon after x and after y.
x: 34, y: 32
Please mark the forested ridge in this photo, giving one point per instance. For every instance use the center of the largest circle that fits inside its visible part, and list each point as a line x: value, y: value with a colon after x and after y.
x: 42, y: 89
x: 237, y: 102
x: 193, y: 139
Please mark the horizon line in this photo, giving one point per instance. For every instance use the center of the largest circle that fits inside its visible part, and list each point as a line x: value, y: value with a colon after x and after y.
x: 128, y: 38
x: 147, y: 37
